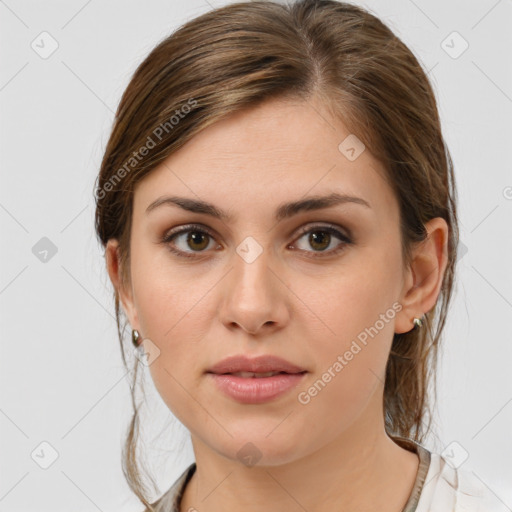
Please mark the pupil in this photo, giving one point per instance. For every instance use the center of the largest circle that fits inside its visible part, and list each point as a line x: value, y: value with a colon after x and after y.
x: 315, y: 238
x: 195, y: 237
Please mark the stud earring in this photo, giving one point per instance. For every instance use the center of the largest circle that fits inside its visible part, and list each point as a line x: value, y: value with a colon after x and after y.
x: 418, y: 322
x: 135, y: 338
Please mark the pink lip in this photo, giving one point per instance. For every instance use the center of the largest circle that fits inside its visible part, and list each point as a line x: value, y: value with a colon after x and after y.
x: 260, y: 364
x: 256, y: 390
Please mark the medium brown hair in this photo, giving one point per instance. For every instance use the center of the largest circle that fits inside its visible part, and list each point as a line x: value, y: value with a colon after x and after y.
x: 243, y: 54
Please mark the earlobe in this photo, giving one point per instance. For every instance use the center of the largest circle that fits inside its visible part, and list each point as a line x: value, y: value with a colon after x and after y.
x: 424, y: 276
x: 114, y: 272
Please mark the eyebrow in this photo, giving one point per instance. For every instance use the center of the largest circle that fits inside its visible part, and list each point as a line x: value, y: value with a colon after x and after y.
x: 285, y: 210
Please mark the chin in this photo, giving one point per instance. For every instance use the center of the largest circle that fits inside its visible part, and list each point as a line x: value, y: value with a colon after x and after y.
x: 253, y: 447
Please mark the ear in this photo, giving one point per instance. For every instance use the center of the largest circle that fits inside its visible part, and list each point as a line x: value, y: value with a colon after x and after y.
x: 424, y: 277
x: 114, y: 272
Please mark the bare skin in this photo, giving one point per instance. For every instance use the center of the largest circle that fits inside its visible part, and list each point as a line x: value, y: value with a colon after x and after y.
x: 293, y: 300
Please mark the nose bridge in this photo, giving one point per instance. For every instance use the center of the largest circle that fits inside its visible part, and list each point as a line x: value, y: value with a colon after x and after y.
x: 253, y: 298
x: 251, y: 274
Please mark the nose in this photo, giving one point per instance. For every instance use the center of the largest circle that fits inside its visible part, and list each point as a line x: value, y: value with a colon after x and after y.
x: 255, y: 298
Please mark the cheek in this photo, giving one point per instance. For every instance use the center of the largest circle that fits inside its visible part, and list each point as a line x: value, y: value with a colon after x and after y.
x: 350, y: 372
x: 166, y: 295
x: 352, y: 331
x: 175, y: 316
x: 170, y: 320
x: 354, y: 296
x: 174, y: 312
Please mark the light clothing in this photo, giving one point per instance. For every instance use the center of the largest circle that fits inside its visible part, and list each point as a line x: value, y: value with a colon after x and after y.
x: 438, y: 487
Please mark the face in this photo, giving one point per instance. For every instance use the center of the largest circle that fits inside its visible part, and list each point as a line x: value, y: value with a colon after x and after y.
x: 316, y: 287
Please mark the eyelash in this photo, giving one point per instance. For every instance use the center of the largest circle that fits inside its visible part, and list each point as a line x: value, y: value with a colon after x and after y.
x: 196, y: 228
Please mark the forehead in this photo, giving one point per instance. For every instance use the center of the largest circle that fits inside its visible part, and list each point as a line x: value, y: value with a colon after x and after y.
x: 279, y: 150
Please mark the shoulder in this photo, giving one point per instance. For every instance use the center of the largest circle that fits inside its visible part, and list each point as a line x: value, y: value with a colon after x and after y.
x: 456, y: 489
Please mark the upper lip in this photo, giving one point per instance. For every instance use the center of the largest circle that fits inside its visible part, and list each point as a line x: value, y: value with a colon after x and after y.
x: 260, y: 364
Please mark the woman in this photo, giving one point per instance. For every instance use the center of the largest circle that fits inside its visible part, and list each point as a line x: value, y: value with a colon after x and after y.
x: 300, y: 148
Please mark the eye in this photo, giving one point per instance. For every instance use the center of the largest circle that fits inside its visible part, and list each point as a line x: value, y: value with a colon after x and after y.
x: 197, y: 239
x: 320, y: 239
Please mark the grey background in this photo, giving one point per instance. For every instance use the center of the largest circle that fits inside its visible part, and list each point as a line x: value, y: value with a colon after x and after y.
x: 61, y: 373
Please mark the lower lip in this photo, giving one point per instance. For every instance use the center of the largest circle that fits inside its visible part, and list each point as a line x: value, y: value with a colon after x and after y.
x: 256, y: 390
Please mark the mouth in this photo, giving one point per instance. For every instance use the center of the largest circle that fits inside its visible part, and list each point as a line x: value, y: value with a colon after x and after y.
x: 256, y: 387
x: 255, y: 380
x: 261, y: 366
x: 257, y: 375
